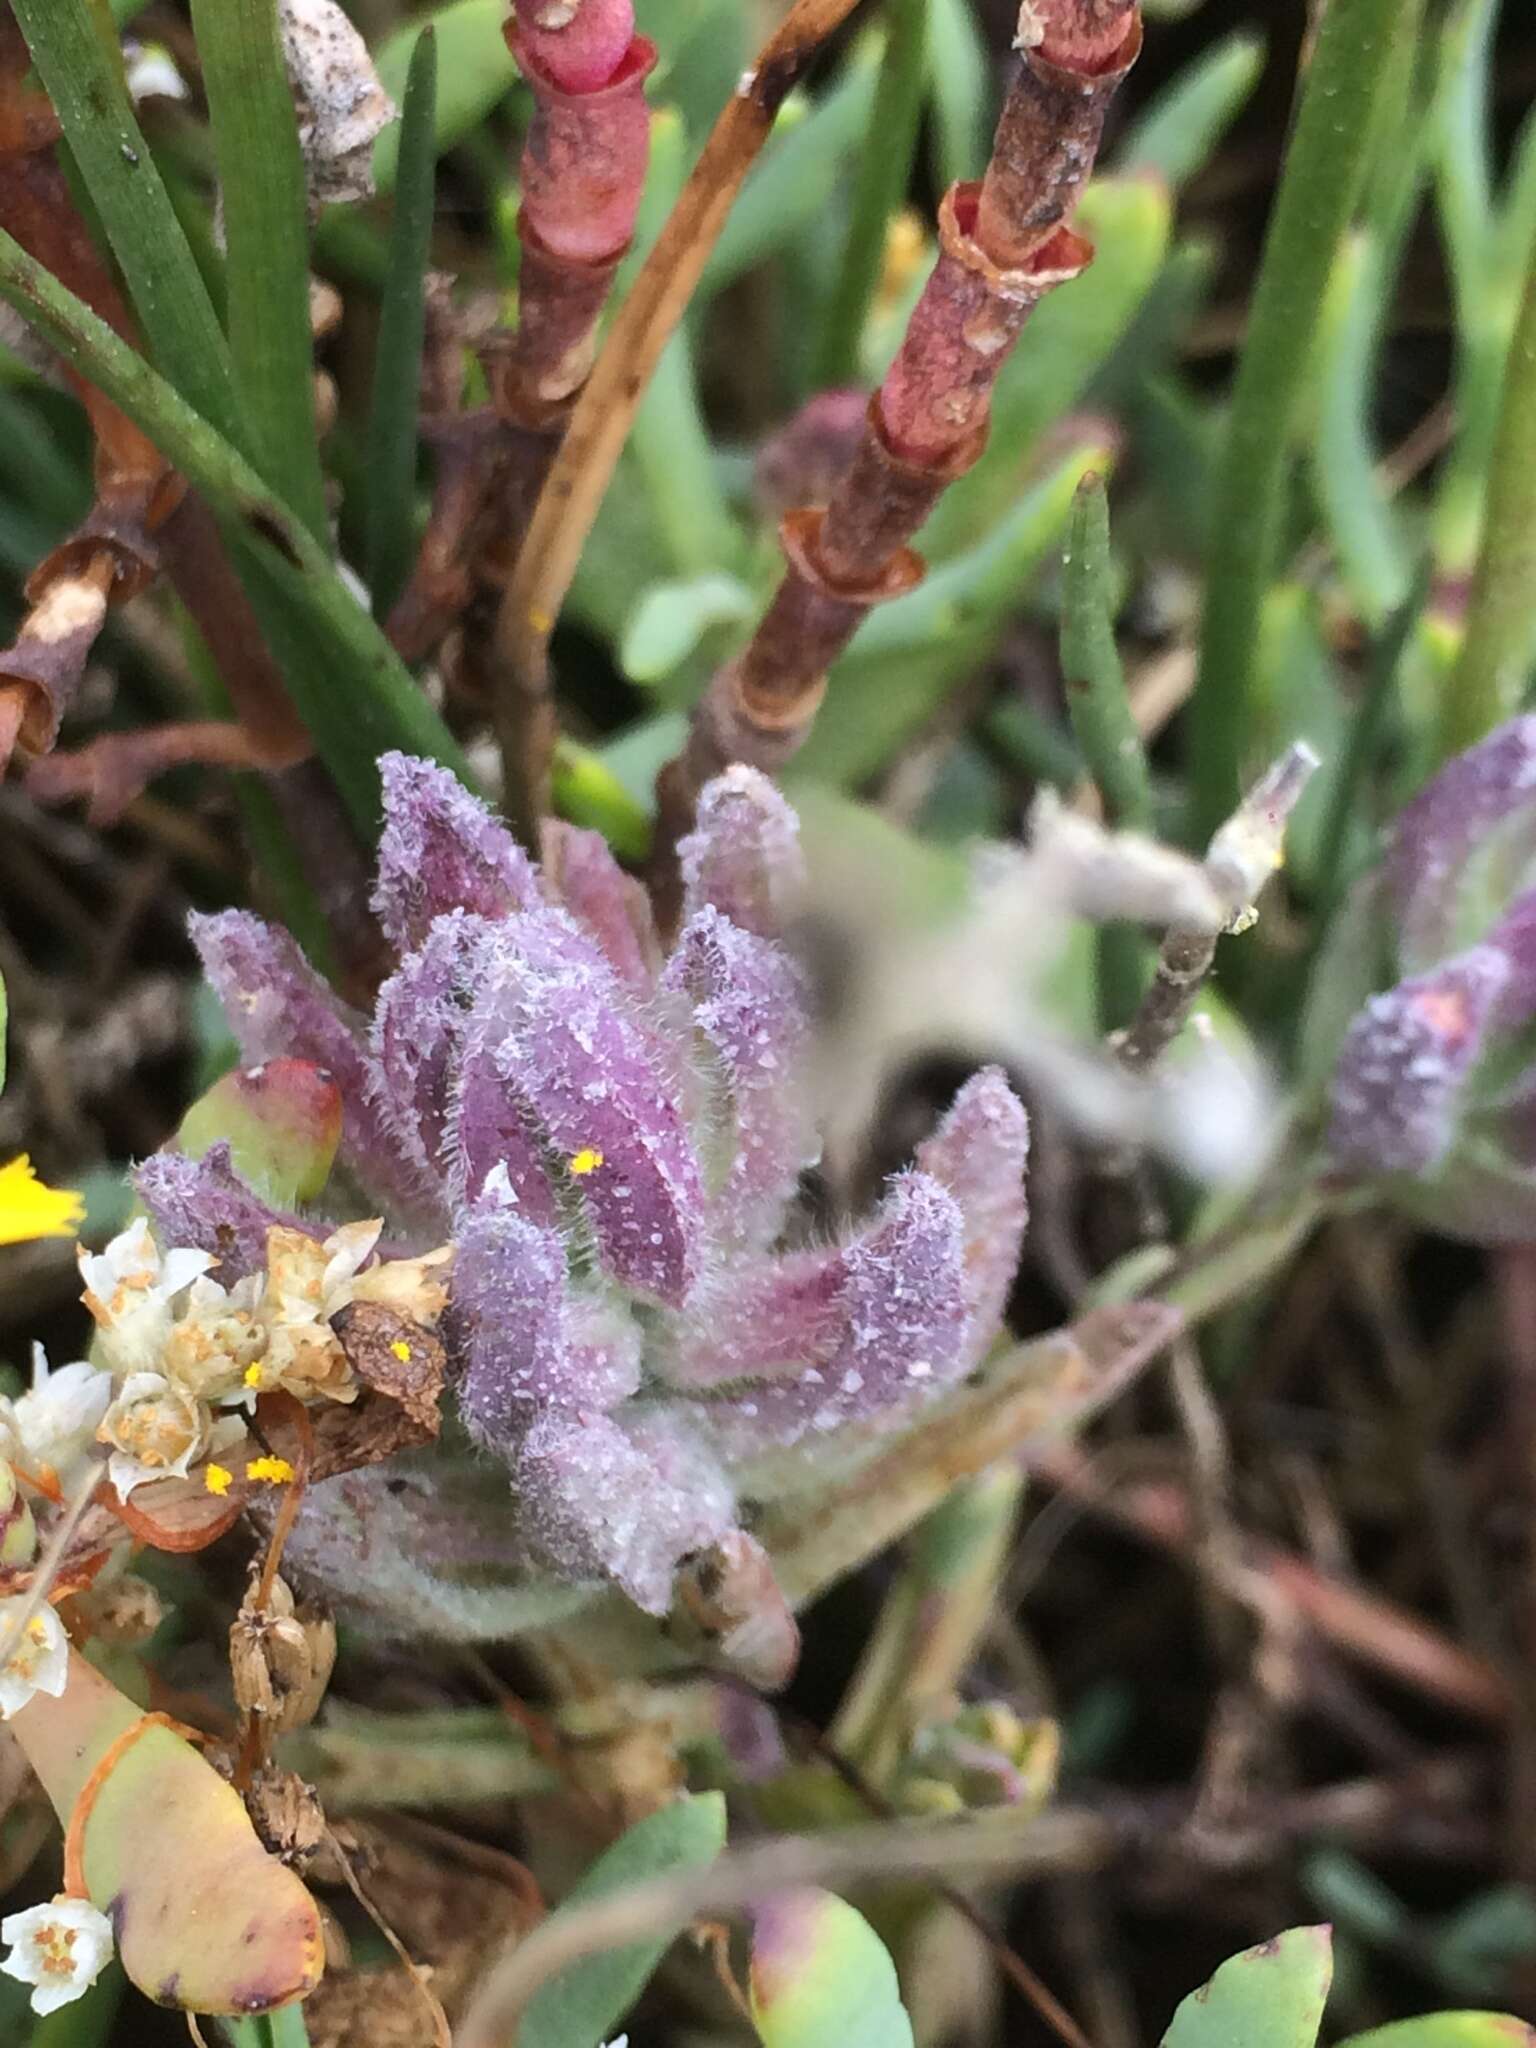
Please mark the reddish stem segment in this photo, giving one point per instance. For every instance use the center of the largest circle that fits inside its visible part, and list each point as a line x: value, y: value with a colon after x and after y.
x: 583, y: 171
x: 1004, y: 243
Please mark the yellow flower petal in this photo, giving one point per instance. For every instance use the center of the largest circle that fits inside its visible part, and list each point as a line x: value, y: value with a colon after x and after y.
x: 29, y: 1209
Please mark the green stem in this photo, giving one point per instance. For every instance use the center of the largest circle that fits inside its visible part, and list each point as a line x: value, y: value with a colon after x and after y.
x: 1323, y: 170
x: 352, y: 691
x: 261, y: 175
x: 1497, y: 656
x: 885, y: 166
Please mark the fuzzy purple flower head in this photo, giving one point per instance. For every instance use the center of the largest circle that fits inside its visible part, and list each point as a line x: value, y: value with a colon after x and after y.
x: 1435, y: 1087
x: 611, y: 1138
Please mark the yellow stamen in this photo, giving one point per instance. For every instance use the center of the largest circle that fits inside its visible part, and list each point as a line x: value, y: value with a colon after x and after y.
x: 29, y: 1209
x: 586, y: 1161
x: 401, y: 1350
x: 277, y: 1470
x: 217, y: 1479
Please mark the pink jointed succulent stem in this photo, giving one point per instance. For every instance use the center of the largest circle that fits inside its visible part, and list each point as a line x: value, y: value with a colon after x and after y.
x: 583, y: 169
x: 1004, y: 243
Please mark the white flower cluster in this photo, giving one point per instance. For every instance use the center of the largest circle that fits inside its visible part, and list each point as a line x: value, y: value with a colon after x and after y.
x: 176, y: 1353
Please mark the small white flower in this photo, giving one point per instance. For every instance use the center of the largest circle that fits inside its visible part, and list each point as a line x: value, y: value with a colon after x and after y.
x: 39, y: 1662
x: 155, y: 1429
x: 129, y: 1289
x: 53, y: 1424
x: 61, y: 1949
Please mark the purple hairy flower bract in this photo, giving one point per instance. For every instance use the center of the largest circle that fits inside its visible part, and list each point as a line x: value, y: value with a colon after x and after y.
x: 612, y: 1139
x: 1435, y: 1085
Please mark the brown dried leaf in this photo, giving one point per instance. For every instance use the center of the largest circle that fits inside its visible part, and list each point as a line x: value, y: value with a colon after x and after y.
x: 396, y: 1357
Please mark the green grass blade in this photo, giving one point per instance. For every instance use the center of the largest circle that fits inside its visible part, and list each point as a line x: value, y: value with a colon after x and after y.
x: 1324, y: 168
x: 959, y: 75
x: 392, y: 427
x: 266, y: 225
x: 475, y: 71
x: 84, y: 80
x: 350, y: 687
x: 880, y: 187
x: 1500, y: 648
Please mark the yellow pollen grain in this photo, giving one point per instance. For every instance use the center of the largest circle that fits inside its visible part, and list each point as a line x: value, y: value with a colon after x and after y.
x: 217, y: 1479
x: 253, y: 1375
x: 277, y: 1471
x: 586, y: 1161
x: 541, y: 622
x: 401, y: 1350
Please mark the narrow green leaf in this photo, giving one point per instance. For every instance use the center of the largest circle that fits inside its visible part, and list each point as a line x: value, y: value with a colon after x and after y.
x: 1100, y: 712
x: 1091, y: 668
x: 959, y: 84
x: 1499, y: 652
x: 266, y: 226
x: 392, y: 428
x: 1324, y: 166
x: 1271, y: 1996
x: 85, y: 82
x: 349, y: 685
x: 475, y: 71
x: 798, y: 167
x: 1178, y: 133
x: 880, y: 186
x: 578, y: 2008
x: 822, y: 1977
x: 669, y: 441
x: 1359, y: 515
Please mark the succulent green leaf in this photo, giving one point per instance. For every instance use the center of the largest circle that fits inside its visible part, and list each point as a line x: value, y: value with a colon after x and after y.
x: 164, y: 1828
x: 580, y: 2007
x: 822, y: 1977
x: 282, y: 1122
x: 1448, y: 2030
x: 673, y: 617
x: 1271, y: 1996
